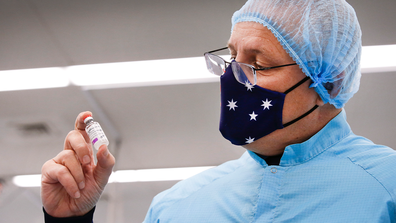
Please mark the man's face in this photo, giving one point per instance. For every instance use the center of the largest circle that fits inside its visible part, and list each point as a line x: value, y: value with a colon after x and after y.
x: 254, y: 44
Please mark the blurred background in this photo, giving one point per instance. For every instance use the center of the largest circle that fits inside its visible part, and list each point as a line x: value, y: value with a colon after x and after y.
x: 160, y: 124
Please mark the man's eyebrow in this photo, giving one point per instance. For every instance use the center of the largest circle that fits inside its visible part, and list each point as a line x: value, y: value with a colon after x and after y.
x: 250, y: 50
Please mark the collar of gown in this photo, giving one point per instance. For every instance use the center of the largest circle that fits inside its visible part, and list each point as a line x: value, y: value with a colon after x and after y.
x: 295, y: 154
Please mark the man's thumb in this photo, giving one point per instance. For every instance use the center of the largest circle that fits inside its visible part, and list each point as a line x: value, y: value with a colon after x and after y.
x: 104, y: 166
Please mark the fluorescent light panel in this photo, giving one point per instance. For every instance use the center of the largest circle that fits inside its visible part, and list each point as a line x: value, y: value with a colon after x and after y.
x: 154, y: 72
x: 147, y: 175
x: 378, y: 59
x: 52, y: 77
x: 141, y: 73
x: 33, y: 180
x: 126, y: 176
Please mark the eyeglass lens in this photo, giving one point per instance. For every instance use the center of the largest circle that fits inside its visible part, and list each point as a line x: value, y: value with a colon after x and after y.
x: 215, y: 64
x: 242, y: 72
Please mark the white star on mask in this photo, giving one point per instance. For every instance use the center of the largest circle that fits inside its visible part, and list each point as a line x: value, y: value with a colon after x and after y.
x: 232, y: 104
x: 266, y: 104
x: 249, y: 86
x: 249, y: 140
x: 253, y: 116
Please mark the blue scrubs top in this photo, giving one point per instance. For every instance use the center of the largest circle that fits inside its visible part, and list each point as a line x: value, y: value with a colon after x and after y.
x: 335, y: 176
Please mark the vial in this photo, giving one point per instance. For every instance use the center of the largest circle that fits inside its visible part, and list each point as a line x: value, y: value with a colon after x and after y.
x: 95, y: 133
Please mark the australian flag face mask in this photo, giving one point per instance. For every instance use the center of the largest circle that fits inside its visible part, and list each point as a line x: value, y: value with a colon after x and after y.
x: 251, y: 112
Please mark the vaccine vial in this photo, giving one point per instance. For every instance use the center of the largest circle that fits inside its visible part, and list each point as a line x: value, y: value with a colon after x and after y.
x: 95, y: 133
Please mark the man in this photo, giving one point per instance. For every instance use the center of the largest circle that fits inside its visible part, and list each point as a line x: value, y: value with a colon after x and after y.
x: 294, y: 66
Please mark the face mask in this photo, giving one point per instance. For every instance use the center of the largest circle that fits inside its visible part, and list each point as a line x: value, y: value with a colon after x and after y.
x: 251, y: 112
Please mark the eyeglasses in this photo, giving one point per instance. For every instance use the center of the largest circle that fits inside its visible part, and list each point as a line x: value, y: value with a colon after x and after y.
x: 244, y: 73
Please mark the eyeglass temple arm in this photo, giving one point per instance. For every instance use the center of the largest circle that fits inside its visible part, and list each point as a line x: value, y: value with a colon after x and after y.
x: 224, y: 48
x: 267, y: 68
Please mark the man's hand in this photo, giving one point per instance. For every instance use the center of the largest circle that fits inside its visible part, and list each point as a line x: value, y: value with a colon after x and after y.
x: 71, y: 183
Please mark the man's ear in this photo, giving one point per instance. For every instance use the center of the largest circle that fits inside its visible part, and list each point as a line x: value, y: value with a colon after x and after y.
x: 334, y: 88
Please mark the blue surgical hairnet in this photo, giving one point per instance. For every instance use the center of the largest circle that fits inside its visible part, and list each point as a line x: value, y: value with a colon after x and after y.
x: 322, y: 36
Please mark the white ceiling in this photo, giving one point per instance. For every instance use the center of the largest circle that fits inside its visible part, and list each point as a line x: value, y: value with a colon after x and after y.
x: 159, y: 126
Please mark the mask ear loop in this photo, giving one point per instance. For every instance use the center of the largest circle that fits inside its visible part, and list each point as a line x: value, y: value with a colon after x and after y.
x: 306, y: 113
x: 302, y: 116
x: 296, y: 85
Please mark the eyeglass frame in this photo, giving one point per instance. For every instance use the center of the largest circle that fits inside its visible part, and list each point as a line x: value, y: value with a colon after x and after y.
x: 251, y: 66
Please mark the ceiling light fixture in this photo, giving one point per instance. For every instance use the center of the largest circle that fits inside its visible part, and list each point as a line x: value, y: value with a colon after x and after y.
x: 141, y: 73
x: 375, y: 59
x: 126, y: 176
x: 53, y: 77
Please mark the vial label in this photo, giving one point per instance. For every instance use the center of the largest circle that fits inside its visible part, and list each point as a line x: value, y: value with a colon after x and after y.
x: 97, y: 135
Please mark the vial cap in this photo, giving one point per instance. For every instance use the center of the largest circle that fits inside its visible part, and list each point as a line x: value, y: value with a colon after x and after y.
x: 86, y: 118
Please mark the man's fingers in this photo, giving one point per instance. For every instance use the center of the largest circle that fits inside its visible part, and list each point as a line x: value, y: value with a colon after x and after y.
x: 104, y: 166
x: 68, y: 159
x: 80, y: 125
x: 54, y: 173
x: 75, y: 142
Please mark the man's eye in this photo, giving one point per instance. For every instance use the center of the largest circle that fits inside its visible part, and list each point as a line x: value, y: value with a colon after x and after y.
x: 258, y: 66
